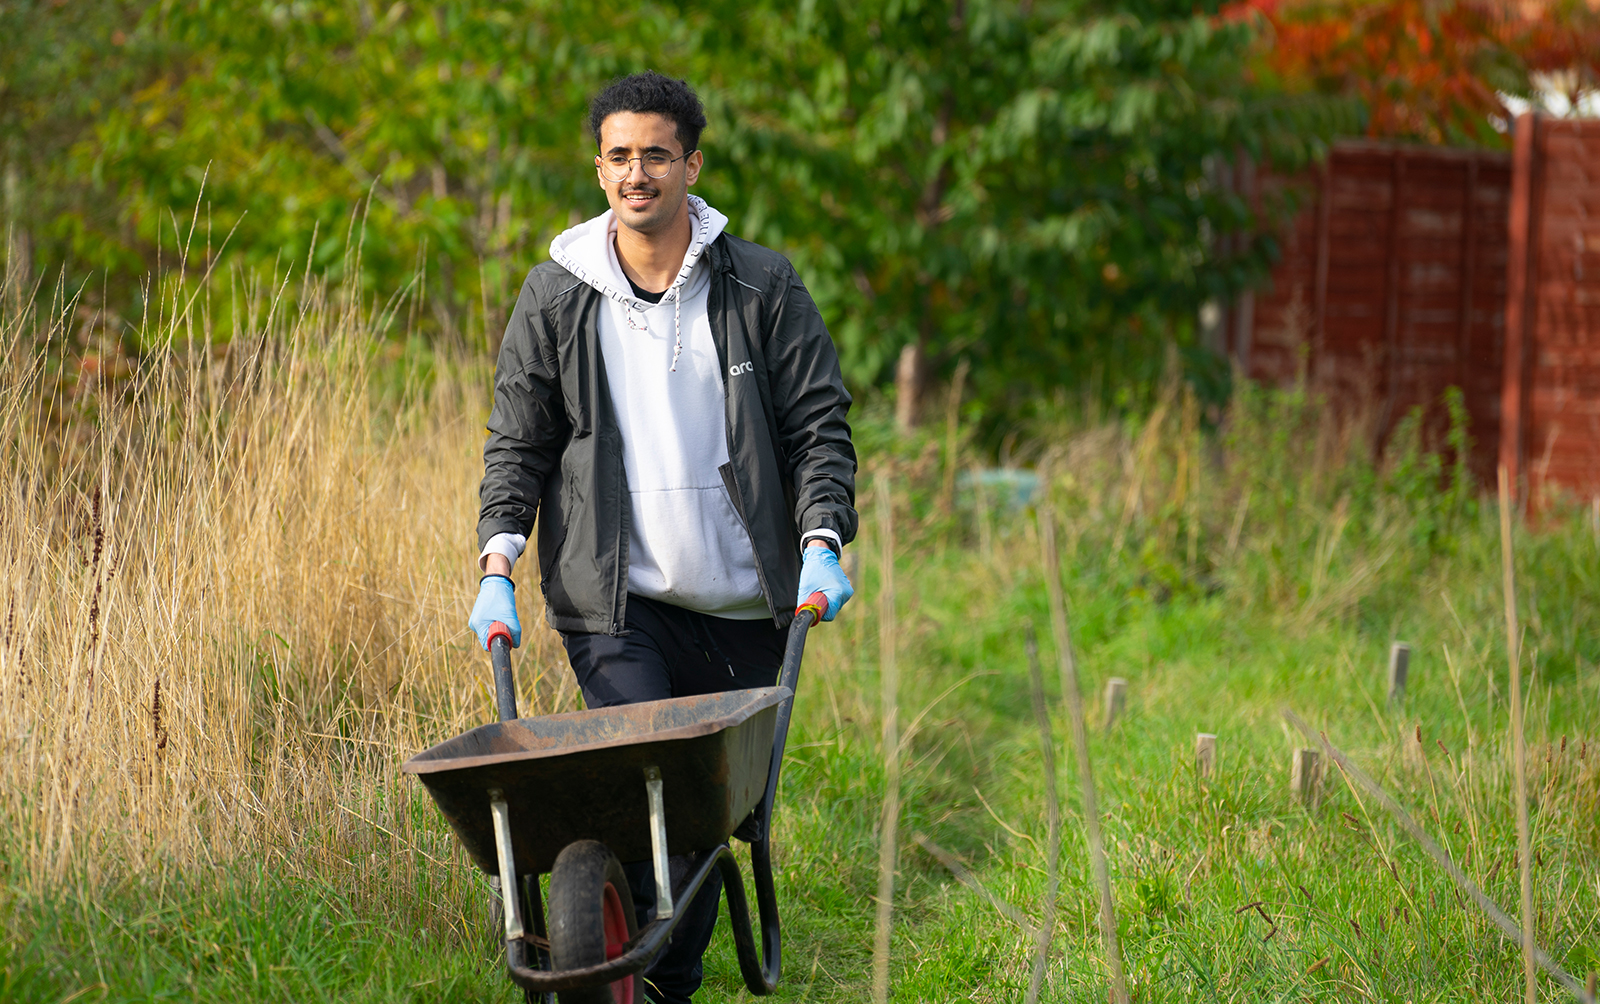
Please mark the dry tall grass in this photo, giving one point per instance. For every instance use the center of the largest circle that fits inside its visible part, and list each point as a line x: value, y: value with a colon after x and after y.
x: 234, y: 587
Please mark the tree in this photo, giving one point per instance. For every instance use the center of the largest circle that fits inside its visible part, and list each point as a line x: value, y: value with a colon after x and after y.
x: 1026, y: 185
x: 1030, y: 186
x: 1430, y: 70
x: 450, y: 136
x: 60, y: 66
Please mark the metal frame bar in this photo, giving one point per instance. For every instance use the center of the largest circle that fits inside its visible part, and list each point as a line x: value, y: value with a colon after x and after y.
x: 658, y: 842
x: 643, y: 949
x: 510, y: 902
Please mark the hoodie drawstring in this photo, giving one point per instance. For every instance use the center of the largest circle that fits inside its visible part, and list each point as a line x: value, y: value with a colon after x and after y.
x: 677, y: 330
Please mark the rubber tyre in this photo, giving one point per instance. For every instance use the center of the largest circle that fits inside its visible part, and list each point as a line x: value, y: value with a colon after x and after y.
x: 591, y: 917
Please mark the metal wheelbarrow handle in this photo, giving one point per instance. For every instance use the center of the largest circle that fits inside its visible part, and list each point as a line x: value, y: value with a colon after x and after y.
x: 505, y: 689
x: 762, y: 977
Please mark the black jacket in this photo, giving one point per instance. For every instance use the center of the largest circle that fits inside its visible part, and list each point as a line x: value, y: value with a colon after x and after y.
x: 555, y: 451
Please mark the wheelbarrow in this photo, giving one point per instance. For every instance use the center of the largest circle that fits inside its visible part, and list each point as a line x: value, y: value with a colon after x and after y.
x: 574, y: 794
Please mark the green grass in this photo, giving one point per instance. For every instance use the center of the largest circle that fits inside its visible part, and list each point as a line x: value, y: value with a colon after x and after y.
x: 1226, y: 574
x: 1342, y: 885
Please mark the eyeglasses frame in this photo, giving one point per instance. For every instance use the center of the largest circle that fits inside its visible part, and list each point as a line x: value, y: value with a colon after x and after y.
x: 600, y: 166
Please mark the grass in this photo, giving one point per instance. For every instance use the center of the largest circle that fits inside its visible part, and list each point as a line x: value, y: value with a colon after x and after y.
x: 236, y: 585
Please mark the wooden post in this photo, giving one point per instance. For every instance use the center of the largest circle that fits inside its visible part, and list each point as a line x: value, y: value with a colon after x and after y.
x: 1394, y: 278
x: 1319, y: 294
x: 1469, y: 262
x: 1399, y: 665
x: 1116, y: 699
x: 1519, y: 288
x: 952, y: 429
x: 1205, y: 754
x: 1305, y: 777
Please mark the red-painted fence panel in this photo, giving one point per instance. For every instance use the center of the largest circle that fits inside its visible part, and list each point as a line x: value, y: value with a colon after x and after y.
x: 1392, y: 286
x: 1414, y: 269
x: 1559, y: 421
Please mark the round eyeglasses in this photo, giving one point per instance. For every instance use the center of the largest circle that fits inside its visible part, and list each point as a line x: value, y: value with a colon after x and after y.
x: 616, y: 167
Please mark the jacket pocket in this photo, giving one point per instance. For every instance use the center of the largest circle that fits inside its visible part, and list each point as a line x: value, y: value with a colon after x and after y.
x: 553, y: 525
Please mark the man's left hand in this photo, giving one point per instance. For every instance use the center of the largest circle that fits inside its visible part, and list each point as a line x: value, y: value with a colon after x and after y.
x: 820, y: 573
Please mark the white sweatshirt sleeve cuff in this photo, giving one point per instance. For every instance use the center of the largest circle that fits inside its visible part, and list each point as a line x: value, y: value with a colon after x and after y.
x: 511, y: 545
x: 828, y: 536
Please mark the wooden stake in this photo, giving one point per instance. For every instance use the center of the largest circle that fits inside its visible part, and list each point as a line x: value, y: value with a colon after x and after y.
x: 890, y: 680
x: 1305, y: 777
x: 952, y: 429
x: 1205, y: 754
x: 1080, y: 741
x: 1116, y: 699
x: 1519, y: 752
x: 1399, y: 664
x: 980, y: 494
x: 1052, y: 851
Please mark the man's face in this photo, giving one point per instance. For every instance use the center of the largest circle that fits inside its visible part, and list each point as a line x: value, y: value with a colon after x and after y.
x: 642, y: 203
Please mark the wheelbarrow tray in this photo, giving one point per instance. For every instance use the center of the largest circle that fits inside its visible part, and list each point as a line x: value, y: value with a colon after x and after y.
x: 580, y: 775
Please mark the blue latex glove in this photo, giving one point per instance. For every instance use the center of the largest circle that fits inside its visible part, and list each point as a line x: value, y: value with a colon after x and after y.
x: 820, y: 572
x: 497, y: 601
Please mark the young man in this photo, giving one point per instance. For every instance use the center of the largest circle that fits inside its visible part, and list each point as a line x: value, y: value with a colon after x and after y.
x: 668, y: 404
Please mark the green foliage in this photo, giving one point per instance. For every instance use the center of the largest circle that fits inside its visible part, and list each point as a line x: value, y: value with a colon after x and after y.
x: 1031, y: 186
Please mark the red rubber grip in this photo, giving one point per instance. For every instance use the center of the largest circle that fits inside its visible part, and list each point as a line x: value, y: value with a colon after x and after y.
x: 498, y: 629
x: 817, y: 603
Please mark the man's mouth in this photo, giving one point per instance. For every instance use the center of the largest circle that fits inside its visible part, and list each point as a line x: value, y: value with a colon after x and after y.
x: 638, y: 196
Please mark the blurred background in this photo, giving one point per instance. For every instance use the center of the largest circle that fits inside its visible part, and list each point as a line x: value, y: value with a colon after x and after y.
x: 1052, y: 196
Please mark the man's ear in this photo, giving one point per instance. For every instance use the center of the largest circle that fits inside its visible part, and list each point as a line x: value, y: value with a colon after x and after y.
x: 692, y: 165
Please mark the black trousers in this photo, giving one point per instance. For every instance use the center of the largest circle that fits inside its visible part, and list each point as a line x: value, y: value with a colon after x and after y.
x: 667, y: 651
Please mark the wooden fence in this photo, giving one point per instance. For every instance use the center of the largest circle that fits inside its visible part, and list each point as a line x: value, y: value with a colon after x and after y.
x: 1551, y: 391
x: 1414, y: 269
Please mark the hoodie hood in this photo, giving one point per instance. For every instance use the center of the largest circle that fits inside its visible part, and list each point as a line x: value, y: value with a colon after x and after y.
x: 589, y: 252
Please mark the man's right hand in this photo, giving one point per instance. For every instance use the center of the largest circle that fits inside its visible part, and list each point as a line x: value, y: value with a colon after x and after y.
x: 497, y: 601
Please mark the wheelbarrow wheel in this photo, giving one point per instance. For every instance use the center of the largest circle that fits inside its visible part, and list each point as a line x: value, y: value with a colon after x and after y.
x: 591, y: 918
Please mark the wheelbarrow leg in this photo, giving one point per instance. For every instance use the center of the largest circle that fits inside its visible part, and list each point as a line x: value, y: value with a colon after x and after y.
x: 658, y: 843
x: 511, y: 895
x: 510, y: 902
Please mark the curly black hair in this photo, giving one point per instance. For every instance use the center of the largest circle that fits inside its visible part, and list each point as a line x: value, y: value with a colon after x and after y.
x: 651, y: 92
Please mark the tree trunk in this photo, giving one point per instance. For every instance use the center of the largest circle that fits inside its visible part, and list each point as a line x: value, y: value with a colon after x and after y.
x: 910, y: 380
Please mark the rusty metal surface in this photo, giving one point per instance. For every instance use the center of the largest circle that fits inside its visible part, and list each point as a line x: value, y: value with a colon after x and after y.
x: 580, y: 775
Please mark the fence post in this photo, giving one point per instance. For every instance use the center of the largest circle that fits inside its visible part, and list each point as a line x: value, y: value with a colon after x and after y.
x: 1399, y: 665
x: 1205, y: 754
x: 1520, y: 282
x: 1116, y: 699
x: 1305, y: 776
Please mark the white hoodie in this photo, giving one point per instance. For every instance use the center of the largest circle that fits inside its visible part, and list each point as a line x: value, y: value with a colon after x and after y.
x: 686, y: 545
